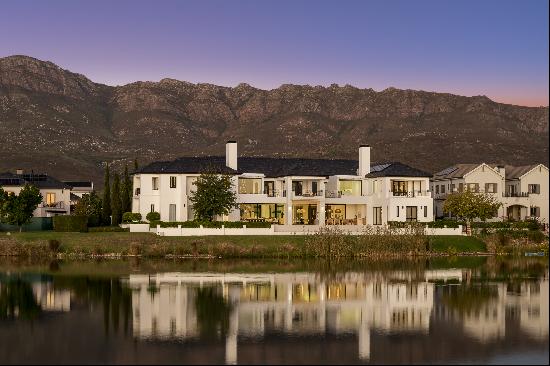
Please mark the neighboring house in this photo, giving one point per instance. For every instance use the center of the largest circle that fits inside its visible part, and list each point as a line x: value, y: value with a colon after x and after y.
x: 55, y: 194
x: 80, y: 188
x: 522, y: 190
x: 291, y: 191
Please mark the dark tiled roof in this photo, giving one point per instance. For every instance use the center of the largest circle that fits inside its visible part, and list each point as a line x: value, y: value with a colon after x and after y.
x: 276, y: 167
x: 189, y: 165
x: 79, y: 184
x: 396, y: 169
x: 42, y: 181
x: 455, y: 171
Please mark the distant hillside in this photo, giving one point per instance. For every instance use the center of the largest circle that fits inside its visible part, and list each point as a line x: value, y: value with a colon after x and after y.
x: 62, y: 123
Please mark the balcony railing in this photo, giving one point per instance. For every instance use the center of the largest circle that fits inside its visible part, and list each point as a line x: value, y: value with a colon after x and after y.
x: 319, y: 193
x: 53, y: 205
x: 515, y: 194
x: 339, y: 194
x: 410, y: 193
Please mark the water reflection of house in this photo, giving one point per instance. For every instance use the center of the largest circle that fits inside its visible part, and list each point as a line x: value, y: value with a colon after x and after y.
x: 51, y: 299
x: 525, y: 303
x: 301, y: 303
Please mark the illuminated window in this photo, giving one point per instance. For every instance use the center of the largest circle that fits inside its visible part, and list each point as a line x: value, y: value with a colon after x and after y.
x: 50, y: 198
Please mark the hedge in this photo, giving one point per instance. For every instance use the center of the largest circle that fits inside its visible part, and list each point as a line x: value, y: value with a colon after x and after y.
x: 70, y: 223
x: 103, y: 229
x: 210, y: 224
x: 129, y: 217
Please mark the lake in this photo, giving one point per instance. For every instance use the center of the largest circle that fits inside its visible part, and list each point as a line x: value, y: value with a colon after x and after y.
x: 443, y: 310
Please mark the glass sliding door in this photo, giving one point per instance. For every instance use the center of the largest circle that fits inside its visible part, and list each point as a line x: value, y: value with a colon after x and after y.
x: 412, y: 213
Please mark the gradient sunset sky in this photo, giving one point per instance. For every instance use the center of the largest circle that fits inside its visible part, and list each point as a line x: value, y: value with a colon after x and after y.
x: 484, y: 47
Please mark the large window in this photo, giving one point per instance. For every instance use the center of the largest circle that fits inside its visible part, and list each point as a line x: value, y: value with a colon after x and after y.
x: 262, y: 212
x: 412, y: 212
x: 399, y: 187
x: 297, y: 187
x: 490, y: 188
x: 534, y: 188
x: 250, y: 185
x: 172, y: 212
x: 50, y: 198
x: 350, y: 187
x: 534, y: 211
x: 472, y: 187
x: 377, y: 215
x: 335, y: 212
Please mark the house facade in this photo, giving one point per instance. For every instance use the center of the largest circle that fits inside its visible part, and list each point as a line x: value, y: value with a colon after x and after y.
x: 291, y: 191
x: 522, y: 190
x: 56, y: 195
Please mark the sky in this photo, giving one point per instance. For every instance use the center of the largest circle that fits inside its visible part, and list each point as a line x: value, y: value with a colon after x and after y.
x: 497, y: 48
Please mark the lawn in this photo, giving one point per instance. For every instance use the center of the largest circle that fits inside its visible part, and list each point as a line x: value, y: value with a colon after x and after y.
x: 460, y: 244
x: 147, y: 244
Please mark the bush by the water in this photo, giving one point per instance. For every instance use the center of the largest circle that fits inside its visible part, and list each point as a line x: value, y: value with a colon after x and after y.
x: 70, y: 223
x: 129, y: 217
x: 332, y: 242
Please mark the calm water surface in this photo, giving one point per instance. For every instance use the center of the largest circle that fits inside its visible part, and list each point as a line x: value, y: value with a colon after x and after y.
x: 461, y: 311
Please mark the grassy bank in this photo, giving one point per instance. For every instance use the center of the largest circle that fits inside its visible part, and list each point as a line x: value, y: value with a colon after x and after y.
x: 326, y: 244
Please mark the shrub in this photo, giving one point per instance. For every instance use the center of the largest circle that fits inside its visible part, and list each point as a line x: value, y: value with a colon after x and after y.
x: 107, y: 229
x: 70, y: 223
x: 445, y: 222
x: 129, y: 217
x: 536, y: 236
x: 54, y: 245
x: 153, y: 216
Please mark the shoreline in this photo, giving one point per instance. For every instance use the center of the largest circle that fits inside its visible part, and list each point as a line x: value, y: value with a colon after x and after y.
x: 118, y: 245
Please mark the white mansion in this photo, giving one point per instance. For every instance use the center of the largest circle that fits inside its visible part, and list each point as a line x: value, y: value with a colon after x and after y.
x: 291, y: 191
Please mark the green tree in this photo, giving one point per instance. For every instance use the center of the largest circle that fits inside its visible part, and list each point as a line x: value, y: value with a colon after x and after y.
x: 90, y: 205
x: 126, y: 194
x: 18, y: 210
x: 107, y: 197
x: 214, y: 196
x: 470, y: 205
x: 116, y: 202
x: 3, y: 203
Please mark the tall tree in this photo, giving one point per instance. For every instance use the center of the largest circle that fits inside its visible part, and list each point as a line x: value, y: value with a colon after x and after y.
x: 90, y: 205
x: 136, y: 166
x: 470, y: 205
x: 3, y: 204
x: 116, y: 202
x: 126, y: 194
x: 107, y: 197
x: 214, y: 196
x: 18, y: 210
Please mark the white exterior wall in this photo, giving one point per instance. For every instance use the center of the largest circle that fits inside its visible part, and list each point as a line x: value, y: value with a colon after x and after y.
x: 61, y: 195
x: 538, y: 175
x: 485, y: 174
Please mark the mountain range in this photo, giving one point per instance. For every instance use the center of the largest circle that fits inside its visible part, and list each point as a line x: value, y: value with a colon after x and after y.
x: 59, y: 122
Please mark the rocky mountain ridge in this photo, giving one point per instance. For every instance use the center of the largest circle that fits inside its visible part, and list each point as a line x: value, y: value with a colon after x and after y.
x: 61, y: 122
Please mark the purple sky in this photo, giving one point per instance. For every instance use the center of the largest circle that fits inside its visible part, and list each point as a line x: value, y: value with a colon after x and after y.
x: 491, y: 47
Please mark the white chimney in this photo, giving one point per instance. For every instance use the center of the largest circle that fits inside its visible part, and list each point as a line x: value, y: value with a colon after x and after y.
x: 231, y: 154
x: 364, y: 160
x: 19, y: 171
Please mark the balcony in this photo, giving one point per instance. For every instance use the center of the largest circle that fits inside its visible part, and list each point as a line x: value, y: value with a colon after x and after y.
x: 307, y: 194
x: 515, y: 194
x: 411, y: 194
x: 53, y: 206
